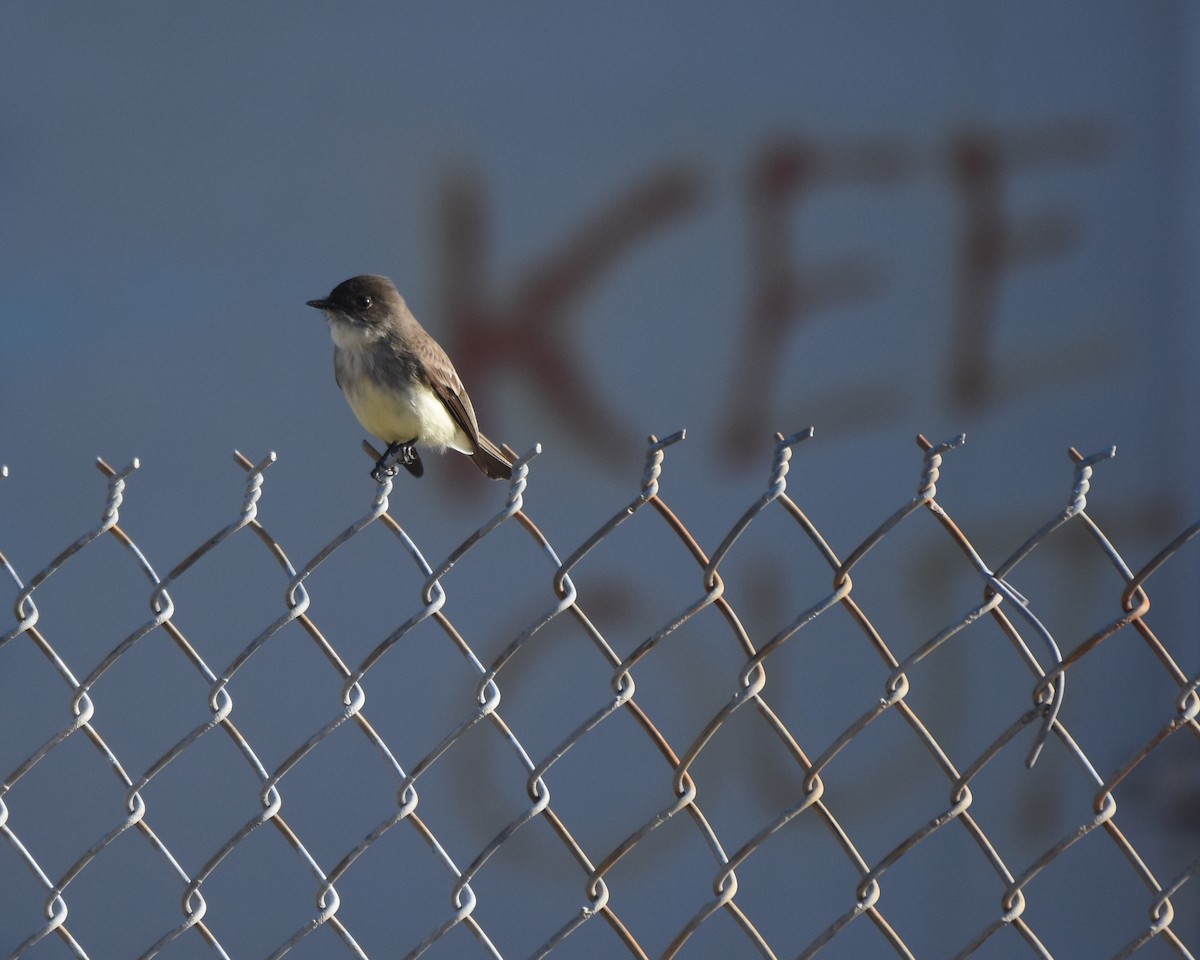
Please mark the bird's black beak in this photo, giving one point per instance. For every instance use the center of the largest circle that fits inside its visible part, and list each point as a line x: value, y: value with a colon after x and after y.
x: 319, y: 304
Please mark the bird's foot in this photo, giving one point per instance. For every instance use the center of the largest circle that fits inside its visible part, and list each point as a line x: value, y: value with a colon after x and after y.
x: 396, y: 456
x: 383, y: 471
x: 411, y: 460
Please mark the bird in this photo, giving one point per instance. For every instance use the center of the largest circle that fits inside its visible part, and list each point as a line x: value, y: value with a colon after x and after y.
x: 399, y: 381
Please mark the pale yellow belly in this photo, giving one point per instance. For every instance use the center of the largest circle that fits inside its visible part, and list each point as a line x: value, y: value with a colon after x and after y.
x: 399, y: 416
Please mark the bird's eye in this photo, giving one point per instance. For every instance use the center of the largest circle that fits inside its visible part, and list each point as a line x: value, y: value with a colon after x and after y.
x: 363, y: 302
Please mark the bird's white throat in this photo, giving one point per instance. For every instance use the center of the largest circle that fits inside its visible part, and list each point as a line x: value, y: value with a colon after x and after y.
x: 352, y: 336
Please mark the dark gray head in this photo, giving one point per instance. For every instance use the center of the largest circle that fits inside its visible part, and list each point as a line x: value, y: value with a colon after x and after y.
x: 367, y: 300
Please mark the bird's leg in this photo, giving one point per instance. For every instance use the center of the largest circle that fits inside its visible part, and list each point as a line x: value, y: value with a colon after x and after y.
x: 411, y: 459
x: 399, y: 453
x: 384, y: 469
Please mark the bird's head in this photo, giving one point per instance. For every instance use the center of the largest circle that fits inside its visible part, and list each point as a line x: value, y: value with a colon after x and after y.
x: 365, y: 302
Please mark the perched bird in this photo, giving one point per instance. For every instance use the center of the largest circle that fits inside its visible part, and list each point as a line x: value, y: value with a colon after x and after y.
x: 399, y: 381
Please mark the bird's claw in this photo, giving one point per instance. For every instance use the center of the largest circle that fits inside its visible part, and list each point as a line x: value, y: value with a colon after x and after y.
x: 401, y: 455
x: 384, y: 471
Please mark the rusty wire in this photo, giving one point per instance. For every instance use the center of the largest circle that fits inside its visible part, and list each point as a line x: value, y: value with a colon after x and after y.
x: 751, y: 689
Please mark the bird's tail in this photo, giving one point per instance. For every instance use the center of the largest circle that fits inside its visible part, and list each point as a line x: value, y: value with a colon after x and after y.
x: 491, y: 459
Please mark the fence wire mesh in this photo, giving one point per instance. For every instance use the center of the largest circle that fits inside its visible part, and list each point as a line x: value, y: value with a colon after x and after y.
x: 747, y: 824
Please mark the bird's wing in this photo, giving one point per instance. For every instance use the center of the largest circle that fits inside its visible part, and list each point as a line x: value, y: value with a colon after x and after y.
x: 449, y: 389
x: 444, y: 381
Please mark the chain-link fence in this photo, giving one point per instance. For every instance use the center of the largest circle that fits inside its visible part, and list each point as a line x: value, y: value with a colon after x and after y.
x: 775, y: 760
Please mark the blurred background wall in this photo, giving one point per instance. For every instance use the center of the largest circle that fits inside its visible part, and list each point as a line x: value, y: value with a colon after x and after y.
x: 619, y: 219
